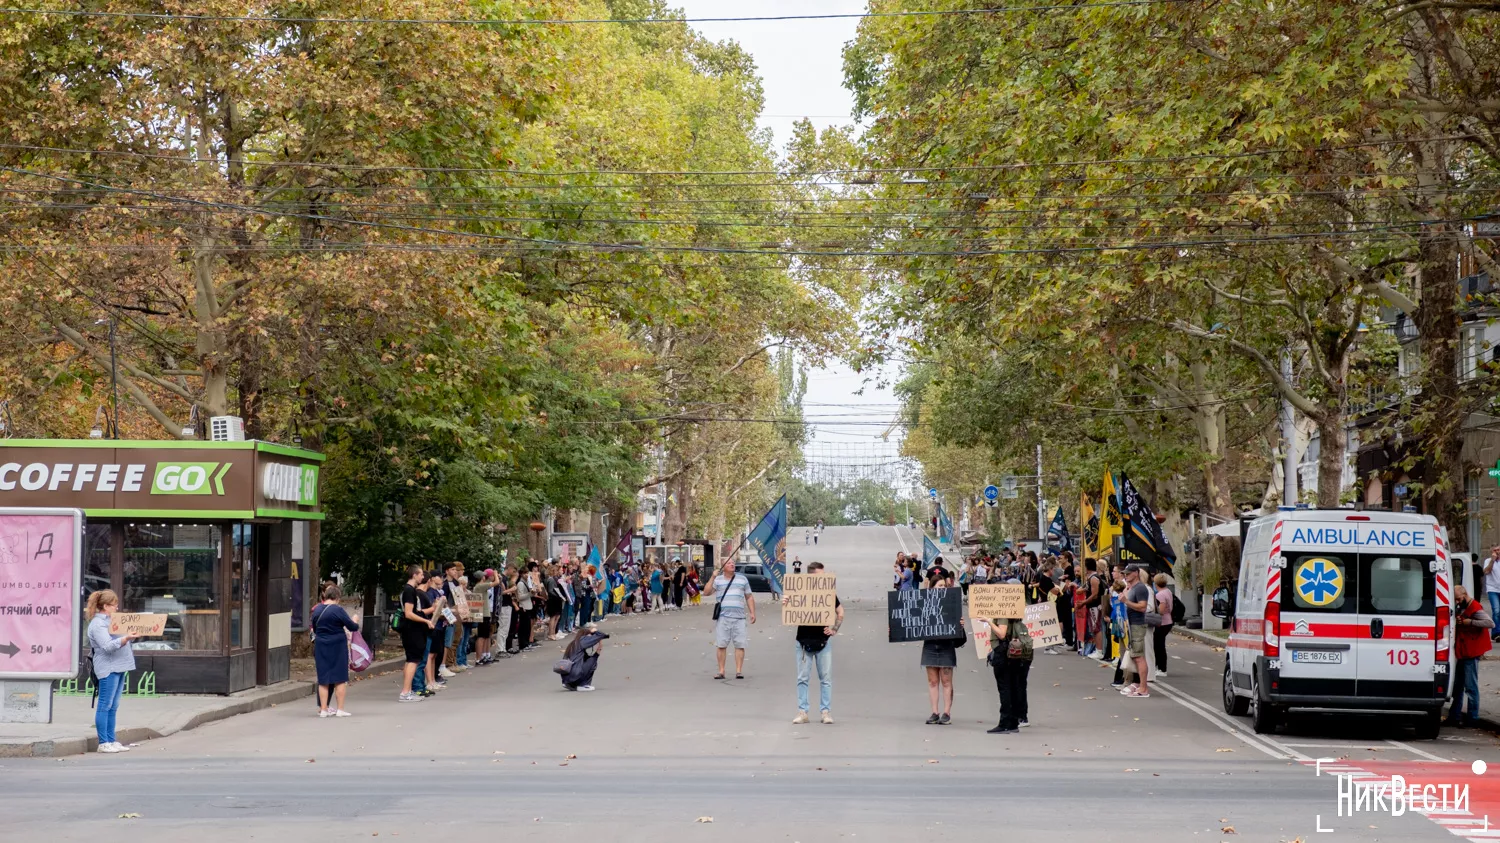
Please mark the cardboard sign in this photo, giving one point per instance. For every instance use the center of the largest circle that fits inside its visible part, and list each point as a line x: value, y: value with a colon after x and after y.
x: 808, y: 599
x: 1041, y: 622
x: 137, y: 624
x: 981, y: 636
x: 997, y: 601
x: 926, y: 614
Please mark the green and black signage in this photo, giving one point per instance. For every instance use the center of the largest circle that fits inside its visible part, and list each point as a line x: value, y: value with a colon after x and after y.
x: 188, y: 479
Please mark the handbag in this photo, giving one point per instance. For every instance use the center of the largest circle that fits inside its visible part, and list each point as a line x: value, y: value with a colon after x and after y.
x: 563, y: 667
x: 1153, y: 619
x: 720, y: 603
x: 360, y: 655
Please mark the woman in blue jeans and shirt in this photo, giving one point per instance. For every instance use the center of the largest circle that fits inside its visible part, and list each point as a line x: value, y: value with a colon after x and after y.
x: 113, y: 658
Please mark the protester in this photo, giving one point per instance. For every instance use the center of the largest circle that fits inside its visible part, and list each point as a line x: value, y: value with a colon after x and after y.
x: 1470, y: 642
x: 1010, y: 657
x: 905, y: 579
x: 814, y: 649
x: 1094, y: 603
x: 679, y: 586
x: 586, y: 595
x: 1137, y: 601
x: 694, y: 587
x: 583, y: 652
x: 439, y: 634
x: 1067, y: 586
x: 1492, y: 582
x: 656, y: 590
x: 940, y: 656
x: 331, y: 652
x: 523, y: 613
x: 113, y: 658
x: 555, y: 600
x: 735, y: 605
x: 458, y: 589
x: 1118, y: 632
x: 569, y: 608
x: 414, y: 628
x: 486, y: 628
x: 1159, y: 633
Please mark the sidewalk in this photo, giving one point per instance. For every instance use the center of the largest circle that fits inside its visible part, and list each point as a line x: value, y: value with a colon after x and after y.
x: 71, y: 731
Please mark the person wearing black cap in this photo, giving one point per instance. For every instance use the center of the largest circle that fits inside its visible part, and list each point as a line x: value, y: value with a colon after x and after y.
x: 1137, y: 601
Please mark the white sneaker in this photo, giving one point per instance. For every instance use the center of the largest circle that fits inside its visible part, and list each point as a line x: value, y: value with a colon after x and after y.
x: 827, y: 718
x: 123, y: 747
x: 585, y: 687
x: 408, y: 697
x: 323, y: 712
x: 800, y: 718
x: 438, y: 686
x: 1161, y: 674
x: 445, y: 673
x: 110, y: 747
x: 1025, y: 723
x: 342, y: 713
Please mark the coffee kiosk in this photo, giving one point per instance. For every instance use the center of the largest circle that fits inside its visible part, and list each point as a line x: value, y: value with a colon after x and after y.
x: 206, y: 533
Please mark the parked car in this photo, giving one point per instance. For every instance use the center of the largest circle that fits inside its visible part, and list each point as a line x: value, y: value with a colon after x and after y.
x: 868, y: 523
x: 753, y: 572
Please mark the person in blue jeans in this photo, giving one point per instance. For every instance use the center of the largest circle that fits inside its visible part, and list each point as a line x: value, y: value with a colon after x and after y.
x: 815, y: 651
x: 1492, y: 582
x: 113, y: 659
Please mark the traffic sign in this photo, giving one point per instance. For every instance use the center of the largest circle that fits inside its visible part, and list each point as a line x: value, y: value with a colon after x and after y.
x: 1401, y: 490
x: 932, y: 493
x: 41, y: 553
x: 991, y: 493
x: 1495, y: 472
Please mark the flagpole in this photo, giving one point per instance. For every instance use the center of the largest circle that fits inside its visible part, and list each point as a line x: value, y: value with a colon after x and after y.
x: 1041, y: 509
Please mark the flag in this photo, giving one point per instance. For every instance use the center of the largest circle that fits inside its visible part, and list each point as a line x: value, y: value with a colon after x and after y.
x: 1110, y: 522
x: 1143, y: 537
x: 1090, y: 523
x: 626, y: 548
x: 1057, y: 533
x: 945, y: 525
x: 769, y: 539
x: 930, y: 551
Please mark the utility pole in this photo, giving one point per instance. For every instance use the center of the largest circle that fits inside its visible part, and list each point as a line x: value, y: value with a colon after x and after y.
x: 1288, y: 439
x: 1041, y: 507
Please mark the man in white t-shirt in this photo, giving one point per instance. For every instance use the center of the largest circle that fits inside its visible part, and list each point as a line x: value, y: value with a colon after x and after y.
x: 1492, y: 583
x: 735, y: 606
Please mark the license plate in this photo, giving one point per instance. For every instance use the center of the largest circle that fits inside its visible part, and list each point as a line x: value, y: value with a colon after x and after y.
x: 1318, y: 656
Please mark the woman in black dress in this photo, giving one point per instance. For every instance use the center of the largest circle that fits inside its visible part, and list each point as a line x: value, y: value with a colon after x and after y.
x: 939, y: 657
x: 331, y: 652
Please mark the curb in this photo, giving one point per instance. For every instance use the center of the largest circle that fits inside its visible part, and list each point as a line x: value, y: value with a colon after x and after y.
x: 1200, y: 637
x: 242, y: 703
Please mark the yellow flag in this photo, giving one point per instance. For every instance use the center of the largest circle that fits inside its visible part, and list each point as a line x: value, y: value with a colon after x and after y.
x: 1109, y: 523
x: 1090, y: 523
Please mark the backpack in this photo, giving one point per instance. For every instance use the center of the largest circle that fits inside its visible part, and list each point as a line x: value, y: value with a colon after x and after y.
x: 1021, y: 646
x: 1179, y: 610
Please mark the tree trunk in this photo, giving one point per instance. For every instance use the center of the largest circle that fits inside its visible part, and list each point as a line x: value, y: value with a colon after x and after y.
x: 1209, y: 419
x: 1439, y: 408
x: 1332, y: 440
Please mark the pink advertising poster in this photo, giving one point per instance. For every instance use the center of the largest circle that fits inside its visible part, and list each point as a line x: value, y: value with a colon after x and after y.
x: 39, y: 589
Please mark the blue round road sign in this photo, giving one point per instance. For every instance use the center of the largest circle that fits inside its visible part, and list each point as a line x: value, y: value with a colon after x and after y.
x: 932, y: 493
x: 991, y: 493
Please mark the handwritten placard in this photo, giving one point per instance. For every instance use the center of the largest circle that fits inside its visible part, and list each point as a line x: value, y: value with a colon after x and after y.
x: 931, y: 613
x: 997, y: 601
x: 1041, y: 622
x: 981, y: 637
x: 137, y: 624
x: 808, y: 599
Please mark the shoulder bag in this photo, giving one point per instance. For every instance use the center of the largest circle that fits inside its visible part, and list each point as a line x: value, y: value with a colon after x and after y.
x: 720, y: 603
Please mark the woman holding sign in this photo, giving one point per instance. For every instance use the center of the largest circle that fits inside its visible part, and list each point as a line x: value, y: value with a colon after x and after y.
x: 939, y: 657
x: 112, y: 659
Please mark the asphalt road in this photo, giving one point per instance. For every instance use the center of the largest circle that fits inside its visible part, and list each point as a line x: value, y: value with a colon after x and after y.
x: 505, y: 751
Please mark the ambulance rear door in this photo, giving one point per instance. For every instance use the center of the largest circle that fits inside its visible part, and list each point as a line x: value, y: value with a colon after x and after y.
x: 1320, y: 624
x: 1398, y: 599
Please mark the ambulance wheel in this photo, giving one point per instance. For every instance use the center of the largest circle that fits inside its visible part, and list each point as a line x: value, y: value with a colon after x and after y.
x: 1233, y: 703
x: 1429, y: 724
x: 1263, y: 715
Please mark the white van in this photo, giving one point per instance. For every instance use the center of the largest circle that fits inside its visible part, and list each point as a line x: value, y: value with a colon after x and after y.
x: 1343, y: 610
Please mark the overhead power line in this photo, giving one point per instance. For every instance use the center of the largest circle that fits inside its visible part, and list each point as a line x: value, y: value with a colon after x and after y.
x: 276, y: 19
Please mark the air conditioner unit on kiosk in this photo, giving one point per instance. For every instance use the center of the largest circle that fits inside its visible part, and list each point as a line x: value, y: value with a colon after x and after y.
x: 226, y: 429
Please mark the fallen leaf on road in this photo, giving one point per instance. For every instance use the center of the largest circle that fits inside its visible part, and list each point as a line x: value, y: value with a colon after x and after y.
x: 1090, y: 698
x: 1132, y: 769
x: 704, y: 820
x: 1228, y: 829
x: 1223, y: 749
x: 932, y: 761
x: 571, y: 757
x: 312, y: 760
x: 498, y: 752
x: 130, y: 816
x: 1057, y: 684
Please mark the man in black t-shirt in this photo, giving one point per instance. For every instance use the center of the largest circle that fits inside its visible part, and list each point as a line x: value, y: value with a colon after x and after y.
x: 813, y: 650
x: 414, y: 628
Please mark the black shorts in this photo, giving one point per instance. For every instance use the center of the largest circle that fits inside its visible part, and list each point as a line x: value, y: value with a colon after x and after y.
x: 484, y: 629
x: 554, y: 606
x: 413, y: 640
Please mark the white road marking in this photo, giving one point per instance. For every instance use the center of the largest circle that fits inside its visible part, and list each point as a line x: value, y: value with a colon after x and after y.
x: 1230, y: 727
x: 899, y: 539
x: 1209, y: 669
x: 1414, y: 751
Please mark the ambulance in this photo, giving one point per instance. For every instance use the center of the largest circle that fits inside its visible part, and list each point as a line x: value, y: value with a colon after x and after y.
x: 1341, y: 610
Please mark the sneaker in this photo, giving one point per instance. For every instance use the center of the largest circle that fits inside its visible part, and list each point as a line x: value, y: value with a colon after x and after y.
x: 445, y: 673
x: 124, y: 747
x: 800, y: 718
x: 110, y: 747
x: 1117, y: 685
x: 999, y: 731
x: 945, y: 720
x: 1097, y: 656
x: 933, y: 720
x: 1161, y: 674
x: 827, y: 718
x: 1024, y: 723
x: 585, y: 687
x: 323, y: 712
x: 426, y: 692
x: 342, y: 713
x: 409, y: 697
x: 460, y: 668
x: 438, y: 686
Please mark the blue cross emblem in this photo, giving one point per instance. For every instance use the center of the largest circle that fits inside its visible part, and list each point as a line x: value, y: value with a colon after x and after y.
x: 1319, y: 582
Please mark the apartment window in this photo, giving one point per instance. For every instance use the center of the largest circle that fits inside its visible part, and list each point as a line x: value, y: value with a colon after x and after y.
x: 1473, y: 351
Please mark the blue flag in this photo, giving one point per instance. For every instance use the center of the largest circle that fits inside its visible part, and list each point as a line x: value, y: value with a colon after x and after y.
x: 945, y: 525
x: 769, y: 539
x: 1057, y: 533
x: 930, y: 552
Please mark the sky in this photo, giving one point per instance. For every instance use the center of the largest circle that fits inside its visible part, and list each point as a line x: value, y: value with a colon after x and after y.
x: 801, y: 66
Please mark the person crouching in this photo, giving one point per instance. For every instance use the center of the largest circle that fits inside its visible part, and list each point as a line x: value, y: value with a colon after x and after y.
x: 582, y: 654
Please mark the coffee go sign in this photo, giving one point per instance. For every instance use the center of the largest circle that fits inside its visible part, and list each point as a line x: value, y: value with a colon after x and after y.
x: 296, y: 484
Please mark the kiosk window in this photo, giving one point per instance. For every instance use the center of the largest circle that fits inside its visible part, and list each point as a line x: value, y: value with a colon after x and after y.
x: 172, y: 569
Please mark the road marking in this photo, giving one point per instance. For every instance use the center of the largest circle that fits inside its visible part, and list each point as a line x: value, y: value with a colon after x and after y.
x: 1266, y: 745
x: 1189, y: 661
x: 899, y: 539
x: 1209, y: 669
x: 1414, y: 751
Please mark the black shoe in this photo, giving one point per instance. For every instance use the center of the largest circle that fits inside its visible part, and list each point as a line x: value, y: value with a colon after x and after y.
x: 1001, y: 730
x: 934, y: 719
x: 944, y: 720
